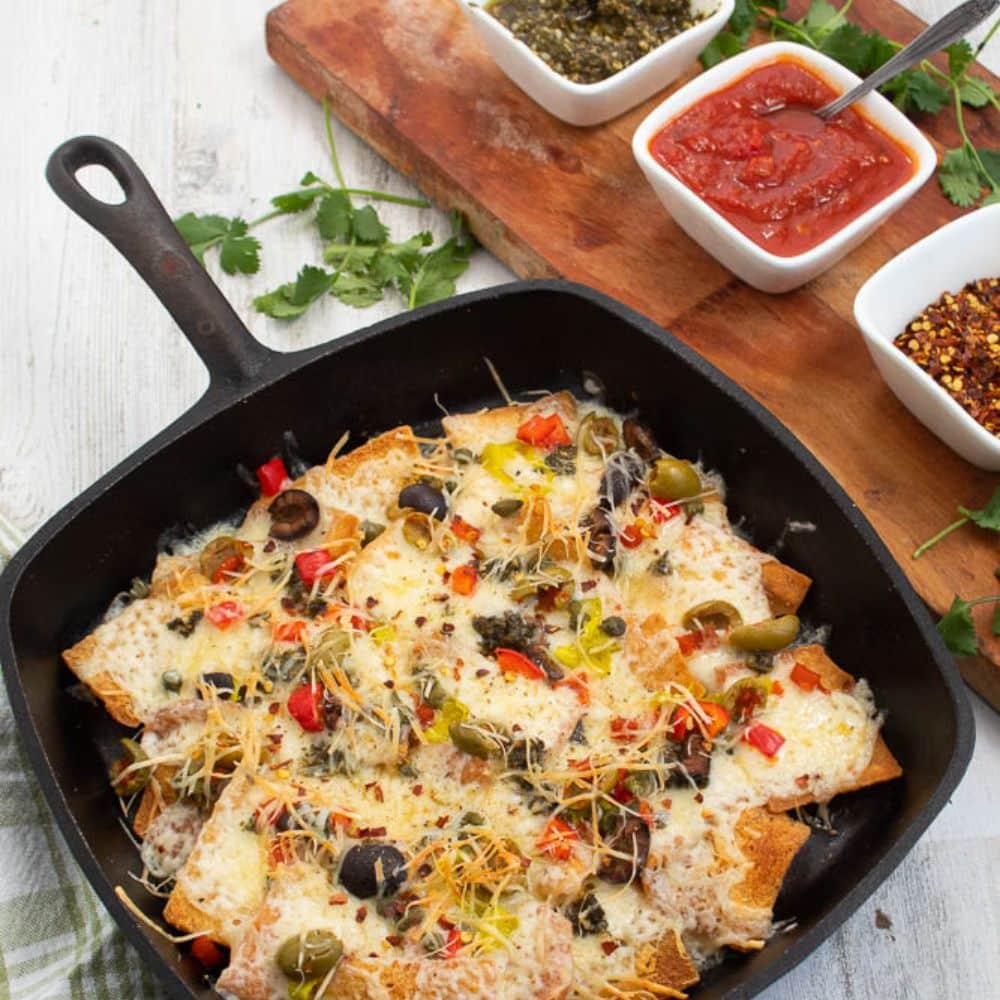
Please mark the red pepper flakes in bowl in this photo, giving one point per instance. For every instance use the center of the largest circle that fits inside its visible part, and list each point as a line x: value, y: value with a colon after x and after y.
x: 956, y: 340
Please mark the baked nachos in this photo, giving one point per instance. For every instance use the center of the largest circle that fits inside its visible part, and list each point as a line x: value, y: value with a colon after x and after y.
x: 513, y: 712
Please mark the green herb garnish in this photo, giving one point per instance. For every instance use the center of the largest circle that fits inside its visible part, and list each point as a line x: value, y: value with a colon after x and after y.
x: 365, y: 262
x: 967, y: 175
x: 988, y: 518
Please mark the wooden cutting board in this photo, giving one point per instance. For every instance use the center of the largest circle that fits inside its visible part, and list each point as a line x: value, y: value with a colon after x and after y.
x: 411, y: 78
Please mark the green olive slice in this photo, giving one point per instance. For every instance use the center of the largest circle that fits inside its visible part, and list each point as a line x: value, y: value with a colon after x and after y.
x: 135, y: 781
x: 712, y: 614
x: 598, y: 435
x: 312, y: 955
x: 507, y: 507
x: 417, y: 531
x: 674, y: 479
x: 767, y: 636
x: 473, y: 740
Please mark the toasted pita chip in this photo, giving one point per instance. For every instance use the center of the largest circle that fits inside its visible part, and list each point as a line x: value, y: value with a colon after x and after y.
x: 472, y: 430
x: 883, y: 766
x: 785, y: 587
x: 667, y: 963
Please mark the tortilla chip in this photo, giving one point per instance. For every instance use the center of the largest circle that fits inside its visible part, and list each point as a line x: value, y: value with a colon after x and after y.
x: 785, y: 587
x: 883, y: 766
x: 470, y: 430
x: 667, y: 963
x: 769, y: 842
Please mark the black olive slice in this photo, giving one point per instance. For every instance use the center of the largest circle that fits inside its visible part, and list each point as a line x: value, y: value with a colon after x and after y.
x: 424, y: 498
x: 294, y: 514
x: 631, y: 837
x: 373, y: 870
x: 640, y: 439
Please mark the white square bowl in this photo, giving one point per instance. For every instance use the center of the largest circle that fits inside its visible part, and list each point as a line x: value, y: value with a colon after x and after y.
x: 755, y: 265
x: 945, y: 261
x: 592, y: 103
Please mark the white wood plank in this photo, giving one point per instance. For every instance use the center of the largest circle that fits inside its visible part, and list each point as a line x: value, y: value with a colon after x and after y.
x: 91, y: 367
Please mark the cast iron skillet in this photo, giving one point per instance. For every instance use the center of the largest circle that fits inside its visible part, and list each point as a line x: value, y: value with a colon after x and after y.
x: 538, y: 334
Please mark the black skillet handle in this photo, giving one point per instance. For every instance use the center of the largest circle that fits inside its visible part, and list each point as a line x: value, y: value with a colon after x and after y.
x: 142, y: 232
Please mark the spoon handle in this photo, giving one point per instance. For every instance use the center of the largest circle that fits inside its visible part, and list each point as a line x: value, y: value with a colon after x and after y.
x: 954, y: 25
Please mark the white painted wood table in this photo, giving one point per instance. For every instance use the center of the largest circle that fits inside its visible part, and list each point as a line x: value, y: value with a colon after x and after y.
x: 92, y: 366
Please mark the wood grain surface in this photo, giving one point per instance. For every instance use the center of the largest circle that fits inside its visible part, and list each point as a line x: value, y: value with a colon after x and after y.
x: 410, y: 78
x: 91, y: 367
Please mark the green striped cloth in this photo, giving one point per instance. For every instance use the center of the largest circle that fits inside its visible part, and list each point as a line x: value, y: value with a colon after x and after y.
x: 57, y: 941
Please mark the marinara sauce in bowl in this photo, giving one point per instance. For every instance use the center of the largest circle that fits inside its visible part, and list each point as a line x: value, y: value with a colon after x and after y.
x: 779, y: 196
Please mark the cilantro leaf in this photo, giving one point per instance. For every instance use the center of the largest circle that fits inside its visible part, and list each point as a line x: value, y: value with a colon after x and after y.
x: 989, y: 516
x: 334, y: 217
x: 850, y: 46
x: 960, y: 56
x: 734, y: 38
x: 296, y: 201
x: 957, y: 629
x: 240, y: 253
x: 357, y: 290
x: 293, y: 299
x: 309, y: 178
x: 368, y: 227
x: 819, y: 16
x: 200, y: 232
x: 923, y: 93
x: 991, y: 161
x: 435, y: 277
x: 960, y: 178
x: 976, y: 93
x: 744, y: 17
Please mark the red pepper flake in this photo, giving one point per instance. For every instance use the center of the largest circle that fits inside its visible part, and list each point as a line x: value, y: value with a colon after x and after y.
x: 418, y: 790
x: 699, y: 798
x: 588, y: 585
x: 337, y: 899
x: 441, y: 822
x: 367, y: 832
x: 482, y: 672
x: 370, y: 602
x: 361, y: 915
x: 274, y: 708
x: 667, y: 803
x: 376, y: 789
x: 395, y: 940
x: 956, y: 340
x: 609, y: 947
x: 389, y: 684
x: 445, y: 924
x: 802, y: 781
x: 420, y: 621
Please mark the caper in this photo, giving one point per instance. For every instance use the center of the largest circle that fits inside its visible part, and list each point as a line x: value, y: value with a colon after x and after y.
x: 507, y: 507
x: 712, y: 614
x: 435, y: 482
x: 674, y: 479
x: 598, y: 435
x: 134, y: 781
x: 312, y: 955
x: 474, y: 740
x: 431, y: 690
x: 472, y: 819
x: 760, y: 662
x: 370, y: 530
x: 417, y: 531
x: 413, y: 917
x: 614, y: 626
x: 463, y: 456
x: 767, y: 636
x: 551, y: 576
x: 172, y: 680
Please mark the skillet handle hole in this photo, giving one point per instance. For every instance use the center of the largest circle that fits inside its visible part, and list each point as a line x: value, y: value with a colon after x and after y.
x: 100, y: 183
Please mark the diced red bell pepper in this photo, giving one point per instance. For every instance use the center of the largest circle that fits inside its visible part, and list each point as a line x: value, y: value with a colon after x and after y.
x: 272, y: 476
x: 624, y: 730
x: 621, y: 792
x: 290, y: 631
x: 631, y: 536
x: 464, y: 579
x: 207, y: 953
x: 225, y: 614
x: 663, y: 510
x: 280, y: 852
x: 557, y: 839
x: 305, y: 707
x: 544, y: 432
x: 462, y: 529
x: 765, y: 739
x: 684, y: 722
x: 511, y: 661
x: 231, y: 566
x: 578, y: 682
x: 425, y: 714
x: 314, y: 565
x: 688, y: 642
x: 453, y: 945
x: 807, y: 679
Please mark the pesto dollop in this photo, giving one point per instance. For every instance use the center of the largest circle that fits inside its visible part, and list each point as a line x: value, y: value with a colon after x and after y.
x: 590, y: 40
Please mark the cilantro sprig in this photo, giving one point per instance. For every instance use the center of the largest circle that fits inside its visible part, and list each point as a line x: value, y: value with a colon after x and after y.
x: 957, y: 628
x: 968, y: 175
x: 365, y: 262
x: 987, y: 517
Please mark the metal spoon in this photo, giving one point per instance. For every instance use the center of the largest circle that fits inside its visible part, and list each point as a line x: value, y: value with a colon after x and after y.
x: 954, y: 25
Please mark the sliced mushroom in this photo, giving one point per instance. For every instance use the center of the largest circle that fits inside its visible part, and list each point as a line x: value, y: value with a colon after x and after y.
x: 294, y: 514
